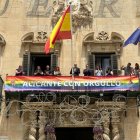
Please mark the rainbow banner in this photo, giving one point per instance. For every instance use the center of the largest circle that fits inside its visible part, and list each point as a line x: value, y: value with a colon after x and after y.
x: 66, y: 84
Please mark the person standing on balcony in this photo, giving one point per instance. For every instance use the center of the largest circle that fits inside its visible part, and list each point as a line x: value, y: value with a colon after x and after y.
x: 128, y: 70
x: 38, y: 71
x: 47, y: 71
x: 136, y: 69
x: 19, y: 71
x: 76, y: 70
x: 87, y: 71
x: 109, y: 72
x: 56, y: 71
x: 98, y: 71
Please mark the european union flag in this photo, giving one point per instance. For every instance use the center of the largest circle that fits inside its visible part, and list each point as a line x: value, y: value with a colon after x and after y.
x: 134, y: 38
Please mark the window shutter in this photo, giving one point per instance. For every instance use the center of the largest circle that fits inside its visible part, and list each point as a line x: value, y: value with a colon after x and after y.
x: 114, y: 64
x: 91, y: 62
x: 54, y: 61
x: 26, y: 63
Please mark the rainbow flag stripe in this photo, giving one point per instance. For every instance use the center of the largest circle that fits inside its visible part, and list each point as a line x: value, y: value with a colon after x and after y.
x: 67, y: 84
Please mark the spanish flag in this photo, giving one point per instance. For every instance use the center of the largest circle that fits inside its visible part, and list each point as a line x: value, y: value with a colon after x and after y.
x: 62, y: 30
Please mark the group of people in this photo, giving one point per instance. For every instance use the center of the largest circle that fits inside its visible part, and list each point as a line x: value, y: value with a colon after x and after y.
x: 98, y: 71
x: 125, y: 71
x: 39, y: 72
x: 86, y: 72
x: 74, y: 71
x: 129, y: 70
x: 47, y: 71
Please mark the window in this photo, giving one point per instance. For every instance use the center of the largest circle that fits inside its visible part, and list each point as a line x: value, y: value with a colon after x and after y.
x: 32, y: 60
x: 104, y: 60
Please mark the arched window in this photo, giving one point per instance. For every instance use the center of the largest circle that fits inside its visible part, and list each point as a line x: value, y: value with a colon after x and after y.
x: 34, y: 55
x: 103, y: 50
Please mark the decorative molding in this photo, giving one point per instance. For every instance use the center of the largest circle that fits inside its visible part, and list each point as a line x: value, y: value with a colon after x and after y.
x: 76, y: 112
x: 82, y: 17
x: 38, y: 38
x: 102, y: 36
x: 41, y: 36
x: 46, y: 113
x: 104, y: 43
x: 98, y: 132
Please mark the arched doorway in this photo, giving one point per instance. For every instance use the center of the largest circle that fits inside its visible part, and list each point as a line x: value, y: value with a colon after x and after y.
x: 103, y: 50
x: 34, y: 55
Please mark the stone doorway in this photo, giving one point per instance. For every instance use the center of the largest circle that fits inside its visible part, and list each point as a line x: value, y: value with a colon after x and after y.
x: 75, y: 133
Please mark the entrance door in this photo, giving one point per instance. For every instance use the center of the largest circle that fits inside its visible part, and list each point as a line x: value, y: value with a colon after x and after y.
x: 74, y: 133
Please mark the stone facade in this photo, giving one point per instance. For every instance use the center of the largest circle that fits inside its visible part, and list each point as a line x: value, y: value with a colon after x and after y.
x: 33, y: 17
x: 99, y: 26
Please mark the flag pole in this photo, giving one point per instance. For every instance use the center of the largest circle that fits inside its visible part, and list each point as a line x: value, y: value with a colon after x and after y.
x: 71, y: 47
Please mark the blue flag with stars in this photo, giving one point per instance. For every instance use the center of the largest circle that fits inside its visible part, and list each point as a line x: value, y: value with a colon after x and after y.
x: 134, y: 38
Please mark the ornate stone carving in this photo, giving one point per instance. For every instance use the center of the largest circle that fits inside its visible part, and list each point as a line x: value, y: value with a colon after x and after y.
x: 98, y: 132
x: 106, y: 121
x: 102, y: 36
x: 56, y: 15
x: 115, y: 125
x: 50, y: 132
x: 26, y: 132
x: 83, y: 17
x: 41, y: 36
x: 71, y: 111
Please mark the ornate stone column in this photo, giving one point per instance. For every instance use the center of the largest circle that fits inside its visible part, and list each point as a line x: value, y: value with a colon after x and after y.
x: 98, y: 133
x: 42, y: 122
x: 115, y: 120
x: 110, y: 114
x: 106, y: 133
x: 50, y: 132
x: 32, y: 130
x: 26, y: 132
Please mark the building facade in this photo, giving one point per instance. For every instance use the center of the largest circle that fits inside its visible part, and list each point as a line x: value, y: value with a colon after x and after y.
x: 99, y: 28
